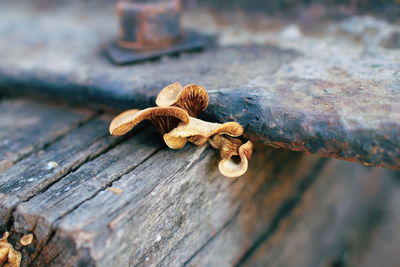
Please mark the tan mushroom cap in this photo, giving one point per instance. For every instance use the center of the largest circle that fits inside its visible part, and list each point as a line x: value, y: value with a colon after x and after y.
x: 199, y: 131
x: 193, y: 98
x: 26, y: 239
x: 169, y: 95
x: 127, y: 120
x: 229, y: 168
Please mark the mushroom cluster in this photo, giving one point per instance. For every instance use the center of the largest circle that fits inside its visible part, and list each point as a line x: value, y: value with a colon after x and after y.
x: 175, y: 118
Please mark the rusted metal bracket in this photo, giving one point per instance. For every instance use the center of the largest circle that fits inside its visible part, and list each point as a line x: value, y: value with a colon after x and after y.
x: 192, y: 41
x: 151, y: 29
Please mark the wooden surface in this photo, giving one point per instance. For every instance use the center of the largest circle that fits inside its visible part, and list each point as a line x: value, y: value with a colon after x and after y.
x: 131, y: 201
x: 311, y: 83
x: 29, y: 127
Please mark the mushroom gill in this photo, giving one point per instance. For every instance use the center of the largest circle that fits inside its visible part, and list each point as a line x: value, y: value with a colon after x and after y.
x: 198, y: 132
x: 164, y: 119
x: 192, y: 98
x: 231, y: 147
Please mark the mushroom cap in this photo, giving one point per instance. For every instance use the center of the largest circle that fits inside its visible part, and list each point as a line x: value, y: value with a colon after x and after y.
x: 26, y: 239
x: 229, y: 168
x: 174, y: 142
x: 122, y: 124
x: 177, y: 138
x: 5, y: 236
x: 127, y: 120
x: 193, y: 98
x: 169, y: 95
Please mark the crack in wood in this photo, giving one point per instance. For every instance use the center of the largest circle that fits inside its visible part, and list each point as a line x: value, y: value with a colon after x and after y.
x: 277, y: 168
x: 182, y: 209
x: 212, y: 237
x: 53, y: 227
x: 173, y: 175
x: 25, y: 152
x: 284, y: 211
x: 88, y: 159
x: 209, y: 239
x: 70, y: 169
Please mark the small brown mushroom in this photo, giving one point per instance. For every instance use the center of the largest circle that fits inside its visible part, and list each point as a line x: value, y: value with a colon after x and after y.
x: 198, y: 132
x: 163, y: 118
x: 8, y: 255
x: 115, y: 190
x: 26, y: 239
x: 192, y: 98
x: 229, y: 148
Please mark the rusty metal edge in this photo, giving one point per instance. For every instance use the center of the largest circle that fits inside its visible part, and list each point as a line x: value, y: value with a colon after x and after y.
x: 329, y: 140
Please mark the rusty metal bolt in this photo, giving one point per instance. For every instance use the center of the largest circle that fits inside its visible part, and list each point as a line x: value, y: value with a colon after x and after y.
x: 149, y: 24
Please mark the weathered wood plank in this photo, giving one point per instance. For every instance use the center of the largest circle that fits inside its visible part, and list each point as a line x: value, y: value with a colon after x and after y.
x: 26, y: 126
x: 250, y: 205
x: 176, y: 209
x: 173, y: 208
x: 381, y: 246
x: 141, y: 188
x: 291, y: 94
x: 332, y: 218
x: 39, y: 170
x: 42, y: 211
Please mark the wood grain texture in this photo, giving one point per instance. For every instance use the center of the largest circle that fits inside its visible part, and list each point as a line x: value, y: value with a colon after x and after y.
x: 39, y: 170
x: 81, y: 185
x: 26, y: 126
x: 381, y: 247
x: 176, y: 209
x: 133, y: 202
x: 331, y: 221
x: 169, y: 202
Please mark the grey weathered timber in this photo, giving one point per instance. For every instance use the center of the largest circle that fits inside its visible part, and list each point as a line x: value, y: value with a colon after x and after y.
x: 326, y: 88
x: 39, y: 170
x: 309, y: 223
x: 383, y: 243
x: 322, y: 229
x: 170, y: 206
x: 175, y: 208
x: 42, y: 211
x: 26, y: 126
